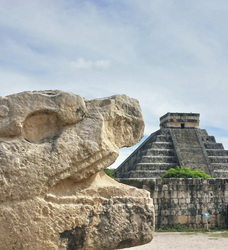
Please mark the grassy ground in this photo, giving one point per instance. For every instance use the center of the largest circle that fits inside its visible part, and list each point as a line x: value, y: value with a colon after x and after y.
x: 223, y: 234
x: 182, y: 228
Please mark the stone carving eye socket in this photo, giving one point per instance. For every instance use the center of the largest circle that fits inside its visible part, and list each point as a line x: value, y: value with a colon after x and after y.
x: 42, y: 126
x: 50, y: 93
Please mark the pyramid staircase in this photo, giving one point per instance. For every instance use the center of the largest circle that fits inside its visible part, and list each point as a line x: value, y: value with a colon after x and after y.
x: 189, y: 149
x: 217, y: 155
x: 155, y: 156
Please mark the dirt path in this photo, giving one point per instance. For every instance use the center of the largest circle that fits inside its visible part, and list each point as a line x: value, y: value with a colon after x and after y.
x: 184, y: 241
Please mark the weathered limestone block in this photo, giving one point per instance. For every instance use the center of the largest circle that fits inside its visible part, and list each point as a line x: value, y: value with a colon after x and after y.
x: 53, y: 191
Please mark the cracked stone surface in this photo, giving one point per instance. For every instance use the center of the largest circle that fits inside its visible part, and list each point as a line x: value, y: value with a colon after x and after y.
x: 54, y: 194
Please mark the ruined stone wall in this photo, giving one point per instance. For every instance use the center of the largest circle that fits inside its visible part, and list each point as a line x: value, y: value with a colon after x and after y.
x: 183, y: 201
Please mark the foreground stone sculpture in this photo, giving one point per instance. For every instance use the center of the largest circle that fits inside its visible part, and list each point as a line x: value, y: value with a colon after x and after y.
x: 53, y: 191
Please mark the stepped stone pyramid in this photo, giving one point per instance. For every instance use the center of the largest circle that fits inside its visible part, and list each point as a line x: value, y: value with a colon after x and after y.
x: 178, y: 142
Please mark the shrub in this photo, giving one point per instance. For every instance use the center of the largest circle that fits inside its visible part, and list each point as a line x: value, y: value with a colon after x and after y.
x: 109, y: 172
x: 182, y: 172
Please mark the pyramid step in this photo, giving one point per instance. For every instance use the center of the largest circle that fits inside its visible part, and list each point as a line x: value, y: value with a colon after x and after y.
x: 221, y: 171
x: 158, y: 159
x: 219, y: 166
x: 209, y: 139
x: 146, y: 174
x: 155, y: 166
x: 193, y: 148
x: 156, y: 151
x: 217, y: 152
x: 218, y: 159
x: 162, y: 138
x: 203, y: 132
x: 164, y: 132
x: 213, y: 146
x: 160, y: 145
x: 221, y: 174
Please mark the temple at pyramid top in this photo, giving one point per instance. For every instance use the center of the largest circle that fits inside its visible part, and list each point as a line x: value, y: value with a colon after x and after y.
x: 179, y: 120
x: 179, y: 142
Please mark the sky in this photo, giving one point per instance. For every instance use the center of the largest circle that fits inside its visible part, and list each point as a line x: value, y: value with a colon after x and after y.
x: 171, y: 55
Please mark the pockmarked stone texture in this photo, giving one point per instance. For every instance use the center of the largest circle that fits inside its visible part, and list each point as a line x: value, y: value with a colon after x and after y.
x: 184, y: 201
x: 54, y: 194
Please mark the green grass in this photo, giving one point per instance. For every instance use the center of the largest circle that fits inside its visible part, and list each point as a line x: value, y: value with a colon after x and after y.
x: 220, y: 235
x: 188, y: 230
x: 178, y: 228
x: 189, y: 233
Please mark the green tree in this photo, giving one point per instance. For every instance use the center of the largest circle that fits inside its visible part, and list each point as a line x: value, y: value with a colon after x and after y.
x: 109, y: 172
x: 182, y: 172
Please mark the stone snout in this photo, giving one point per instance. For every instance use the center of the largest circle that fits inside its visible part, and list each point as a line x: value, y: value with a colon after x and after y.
x: 54, y: 194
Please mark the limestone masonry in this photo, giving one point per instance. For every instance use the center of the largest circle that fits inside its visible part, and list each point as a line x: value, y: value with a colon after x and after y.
x: 183, y: 201
x: 178, y: 142
x: 54, y: 194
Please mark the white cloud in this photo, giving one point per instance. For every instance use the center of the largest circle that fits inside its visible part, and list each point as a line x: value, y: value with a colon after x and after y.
x: 102, y: 64
x: 81, y: 63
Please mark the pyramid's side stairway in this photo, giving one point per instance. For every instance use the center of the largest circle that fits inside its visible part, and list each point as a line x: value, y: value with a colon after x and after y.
x: 152, y: 159
x: 217, y: 155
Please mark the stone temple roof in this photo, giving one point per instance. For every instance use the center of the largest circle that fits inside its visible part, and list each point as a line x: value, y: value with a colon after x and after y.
x: 179, y: 120
x: 178, y: 142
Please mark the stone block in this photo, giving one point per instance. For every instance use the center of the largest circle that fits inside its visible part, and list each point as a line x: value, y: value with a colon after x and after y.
x: 182, y: 201
x: 164, y: 220
x: 175, y: 201
x: 165, y: 212
x: 182, y: 219
x: 173, y: 212
x: 187, y: 200
x: 173, y: 194
x: 198, y: 219
x: 183, y: 206
x: 181, y: 195
x: 166, y: 194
